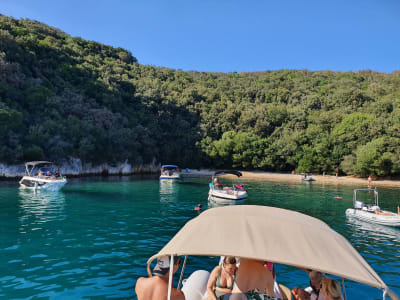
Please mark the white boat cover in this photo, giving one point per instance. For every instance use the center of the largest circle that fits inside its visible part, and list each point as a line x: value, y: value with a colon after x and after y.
x: 272, y: 234
x: 34, y: 163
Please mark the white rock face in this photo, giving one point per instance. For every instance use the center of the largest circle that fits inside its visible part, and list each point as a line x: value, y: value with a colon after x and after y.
x: 75, y: 167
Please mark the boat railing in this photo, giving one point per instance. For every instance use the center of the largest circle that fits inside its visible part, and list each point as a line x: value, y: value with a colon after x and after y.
x: 376, y: 196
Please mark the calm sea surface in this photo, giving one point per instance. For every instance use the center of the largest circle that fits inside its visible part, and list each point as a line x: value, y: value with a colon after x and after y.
x: 93, y: 238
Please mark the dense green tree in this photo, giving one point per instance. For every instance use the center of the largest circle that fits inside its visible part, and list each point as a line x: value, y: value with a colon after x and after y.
x: 63, y: 96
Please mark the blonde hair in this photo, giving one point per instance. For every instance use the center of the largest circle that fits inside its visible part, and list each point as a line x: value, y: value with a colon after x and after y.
x: 332, y: 288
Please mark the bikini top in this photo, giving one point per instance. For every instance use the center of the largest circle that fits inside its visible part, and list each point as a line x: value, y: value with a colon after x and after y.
x: 218, y: 283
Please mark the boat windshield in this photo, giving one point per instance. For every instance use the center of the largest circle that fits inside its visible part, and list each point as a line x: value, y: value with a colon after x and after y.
x: 46, y: 171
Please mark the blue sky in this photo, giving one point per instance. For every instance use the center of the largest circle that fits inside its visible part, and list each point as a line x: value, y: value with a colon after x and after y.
x: 227, y: 36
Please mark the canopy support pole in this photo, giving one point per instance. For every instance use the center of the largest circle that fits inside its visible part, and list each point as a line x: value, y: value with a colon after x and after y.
x: 344, y: 289
x: 171, y: 274
x: 384, y: 294
x: 183, y: 270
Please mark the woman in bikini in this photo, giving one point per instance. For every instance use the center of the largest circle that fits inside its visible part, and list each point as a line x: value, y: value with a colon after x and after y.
x: 221, y: 279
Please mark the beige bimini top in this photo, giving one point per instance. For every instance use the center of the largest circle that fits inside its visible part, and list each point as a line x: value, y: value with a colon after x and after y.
x: 272, y: 234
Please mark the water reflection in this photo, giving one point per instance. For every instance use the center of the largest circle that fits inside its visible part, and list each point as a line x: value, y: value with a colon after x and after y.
x: 41, y: 206
x: 168, y: 191
x: 373, y: 231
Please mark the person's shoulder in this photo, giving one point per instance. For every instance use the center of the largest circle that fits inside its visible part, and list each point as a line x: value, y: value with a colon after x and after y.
x: 140, y: 280
x: 215, y: 270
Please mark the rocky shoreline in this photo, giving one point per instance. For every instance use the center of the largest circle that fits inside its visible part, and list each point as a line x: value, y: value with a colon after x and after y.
x: 75, y: 168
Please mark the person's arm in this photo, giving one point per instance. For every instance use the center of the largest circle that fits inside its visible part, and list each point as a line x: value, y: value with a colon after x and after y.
x: 211, y: 283
x: 270, y: 284
x: 149, y: 271
x: 223, y: 290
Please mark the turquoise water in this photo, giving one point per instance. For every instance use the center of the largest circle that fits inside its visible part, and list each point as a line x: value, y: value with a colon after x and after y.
x: 93, y: 238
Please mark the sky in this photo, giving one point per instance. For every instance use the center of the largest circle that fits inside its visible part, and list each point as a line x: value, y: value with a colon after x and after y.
x: 233, y: 35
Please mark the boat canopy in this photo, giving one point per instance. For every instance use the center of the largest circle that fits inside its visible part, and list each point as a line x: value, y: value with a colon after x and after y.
x: 272, y: 234
x: 35, y: 163
x: 236, y: 173
x: 169, y: 167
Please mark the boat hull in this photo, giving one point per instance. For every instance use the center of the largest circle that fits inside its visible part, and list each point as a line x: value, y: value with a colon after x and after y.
x: 225, y: 196
x: 35, y: 183
x: 387, y: 220
x: 172, y: 178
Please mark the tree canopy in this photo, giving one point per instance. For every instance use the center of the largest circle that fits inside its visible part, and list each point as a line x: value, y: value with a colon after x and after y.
x: 63, y: 96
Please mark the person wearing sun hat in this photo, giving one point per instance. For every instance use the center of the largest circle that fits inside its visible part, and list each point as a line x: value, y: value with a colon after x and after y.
x: 156, y: 287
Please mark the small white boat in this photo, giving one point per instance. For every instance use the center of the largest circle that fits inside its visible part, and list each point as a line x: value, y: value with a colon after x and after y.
x: 170, y: 173
x: 372, y: 212
x: 266, y: 234
x: 41, y: 175
x: 307, y: 177
x: 226, y: 194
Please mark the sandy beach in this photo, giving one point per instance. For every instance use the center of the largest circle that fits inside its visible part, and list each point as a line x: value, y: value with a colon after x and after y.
x: 319, y: 179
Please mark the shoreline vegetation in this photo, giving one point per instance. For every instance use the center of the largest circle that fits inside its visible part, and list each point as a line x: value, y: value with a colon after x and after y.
x: 63, y: 96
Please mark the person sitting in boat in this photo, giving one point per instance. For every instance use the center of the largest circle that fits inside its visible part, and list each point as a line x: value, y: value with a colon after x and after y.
x: 156, y: 287
x: 252, y: 280
x: 217, y: 184
x: 57, y: 174
x: 271, y: 267
x: 313, y: 291
x: 221, y: 279
x: 331, y: 289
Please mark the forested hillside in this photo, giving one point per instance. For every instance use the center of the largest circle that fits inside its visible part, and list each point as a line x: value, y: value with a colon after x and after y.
x: 62, y: 96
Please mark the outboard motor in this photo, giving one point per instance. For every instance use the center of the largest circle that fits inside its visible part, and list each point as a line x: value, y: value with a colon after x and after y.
x: 359, y: 204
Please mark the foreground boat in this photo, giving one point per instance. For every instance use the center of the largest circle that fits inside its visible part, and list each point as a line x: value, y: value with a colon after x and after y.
x: 268, y: 234
x: 223, y: 194
x: 372, y: 212
x: 170, y: 173
x: 41, y: 175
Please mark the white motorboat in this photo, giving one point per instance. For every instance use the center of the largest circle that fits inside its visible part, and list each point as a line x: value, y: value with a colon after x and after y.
x: 170, y: 173
x: 266, y: 234
x: 307, y: 177
x: 372, y: 212
x: 226, y: 194
x: 41, y: 175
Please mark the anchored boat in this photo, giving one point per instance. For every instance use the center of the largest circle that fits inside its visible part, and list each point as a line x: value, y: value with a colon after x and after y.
x: 268, y: 234
x: 42, y: 175
x: 307, y: 177
x: 372, y: 212
x: 226, y: 194
x: 170, y: 173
